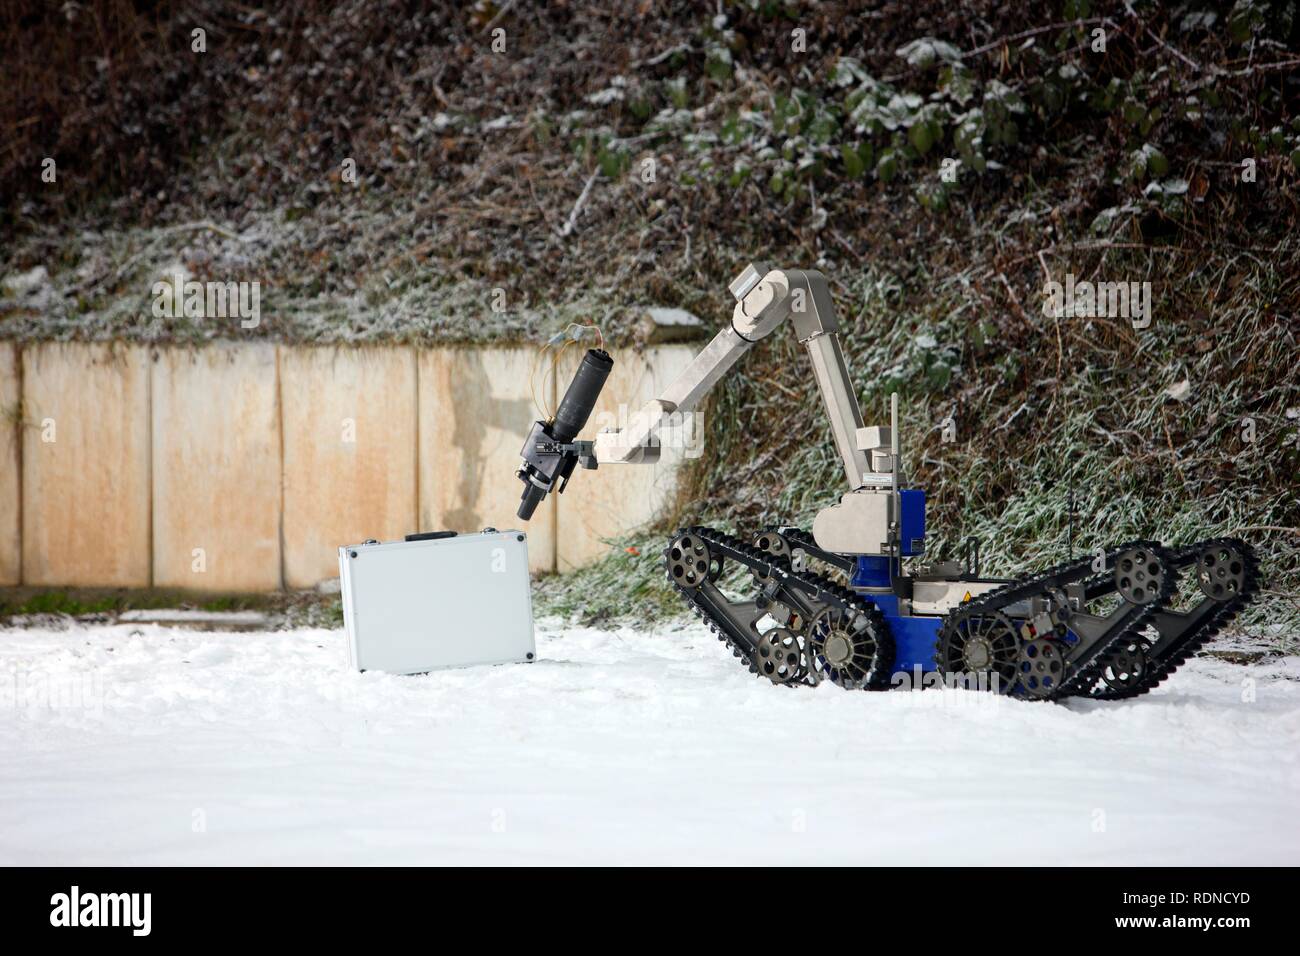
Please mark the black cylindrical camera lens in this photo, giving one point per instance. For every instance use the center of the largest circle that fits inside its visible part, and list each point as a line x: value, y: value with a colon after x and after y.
x: 531, y: 499
x: 575, y: 408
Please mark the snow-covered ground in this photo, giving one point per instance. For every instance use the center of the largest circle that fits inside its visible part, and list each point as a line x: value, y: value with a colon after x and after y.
x: 139, y: 744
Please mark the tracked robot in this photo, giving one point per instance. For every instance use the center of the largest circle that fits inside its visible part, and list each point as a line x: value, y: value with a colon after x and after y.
x: 1107, y: 626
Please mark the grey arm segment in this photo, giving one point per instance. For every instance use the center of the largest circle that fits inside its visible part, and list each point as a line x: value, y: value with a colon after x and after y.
x: 765, y: 299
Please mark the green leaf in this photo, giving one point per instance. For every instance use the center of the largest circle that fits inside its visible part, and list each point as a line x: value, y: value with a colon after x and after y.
x: 932, y: 194
x: 854, y: 167
x: 1246, y: 19
x: 887, y: 165
x: 1106, y: 98
x: 822, y: 127
x: 718, y: 63
x: 955, y: 83
x: 922, y: 136
x: 939, y: 375
x: 848, y: 72
x: 1133, y: 112
x: 613, y: 163
x: 926, y: 51
x: 1157, y: 165
x: 677, y: 95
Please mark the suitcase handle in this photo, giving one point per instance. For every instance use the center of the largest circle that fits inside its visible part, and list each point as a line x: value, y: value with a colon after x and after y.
x: 430, y: 535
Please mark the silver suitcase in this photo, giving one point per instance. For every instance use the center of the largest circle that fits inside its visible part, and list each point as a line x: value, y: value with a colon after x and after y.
x: 437, y: 600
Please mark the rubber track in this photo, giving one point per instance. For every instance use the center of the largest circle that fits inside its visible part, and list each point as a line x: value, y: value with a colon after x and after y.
x: 1159, y: 671
x: 762, y: 561
x: 798, y: 538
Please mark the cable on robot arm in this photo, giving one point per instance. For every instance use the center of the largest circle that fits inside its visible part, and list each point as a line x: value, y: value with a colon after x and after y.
x: 570, y: 335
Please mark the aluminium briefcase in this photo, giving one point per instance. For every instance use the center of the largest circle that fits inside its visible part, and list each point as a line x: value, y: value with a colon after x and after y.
x: 437, y: 600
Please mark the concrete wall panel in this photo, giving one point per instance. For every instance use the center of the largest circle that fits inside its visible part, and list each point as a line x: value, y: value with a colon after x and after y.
x: 475, y: 411
x: 10, y: 487
x: 349, y: 453
x: 616, y: 499
x: 376, y: 443
x: 216, y: 468
x: 85, y: 459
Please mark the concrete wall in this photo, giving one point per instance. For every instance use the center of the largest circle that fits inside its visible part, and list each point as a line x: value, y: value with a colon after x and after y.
x: 243, y: 467
x: 216, y: 469
x: 10, y: 486
x: 85, y: 460
x: 476, y: 409
x: 349, y: 453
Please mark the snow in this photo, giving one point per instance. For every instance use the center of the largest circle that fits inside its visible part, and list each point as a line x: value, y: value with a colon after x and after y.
x: 673, y: 317
x: 142, y: 744
x: 31, y: 288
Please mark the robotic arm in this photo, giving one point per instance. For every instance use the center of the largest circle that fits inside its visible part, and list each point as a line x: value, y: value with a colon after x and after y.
x: 764, y: 300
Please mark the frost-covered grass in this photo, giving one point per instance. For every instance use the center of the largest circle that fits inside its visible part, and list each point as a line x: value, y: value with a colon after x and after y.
x: 100, y: 285
x: 622, y: 588
x: 73, y: 607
